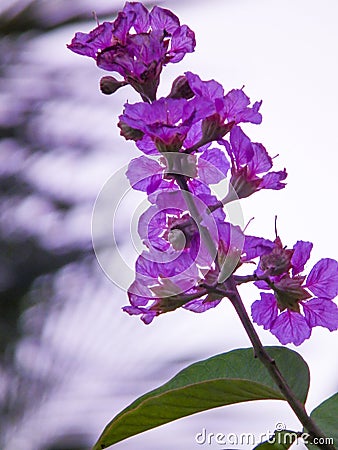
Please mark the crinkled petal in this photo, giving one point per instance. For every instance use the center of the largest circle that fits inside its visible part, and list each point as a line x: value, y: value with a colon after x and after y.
x: 300, y: 256
x: 235, y: 108
x: 172, y: 199
x: 122, y: 24
x: 147, y: 146
x: 194, y: 134
x: 213, y: 166
x: 261, y: 161
x: 145, y: 48
x: 115, y: 59
x: 203, y: 107
x: 291, y: 327
x: 264, y: 312
x: 235, y: 101
x: 163, y: 19
x: 144, y: 174
x: 273, y: 180
x: 321, y: 312
x: 177, y: 266
x: 141, y: 20
x: 250, y: 115
x: 323, y: 279
x: 88, y: 44
x: 256, y: 246
x: 151, y: 225
x: 139, y: 294
x: 241, y: 146
x: 182, y: 42
x: 146, y: 315
x: 210, y: 90
x: 201, y: 305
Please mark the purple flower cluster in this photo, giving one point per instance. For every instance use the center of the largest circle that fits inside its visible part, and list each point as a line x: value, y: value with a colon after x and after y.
x: 298, y: 303
x: 191, y: 139
x: 137, y: 45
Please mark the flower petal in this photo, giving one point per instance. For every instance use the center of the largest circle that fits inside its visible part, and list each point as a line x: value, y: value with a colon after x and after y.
x: 163, y: 19
x: 89, y: 44
x: 241, y: 146
x: 261, y: 161
x: 210, y: 89
x: 272, y: 180
x: 139, y: 294
x: 300, y: 256
x: 323, y: 279
x: 265, y: 311
x: 256, y: 246
x: 321, y: 312
x: 146, y: 316
x: 235, y: 108
x: 147, y: 146
x: 141, y: 19
x: 291, y: 327
x: 213, y: 166
x: 182, y: 42
x: 144, y: 174
x: 201, y: 305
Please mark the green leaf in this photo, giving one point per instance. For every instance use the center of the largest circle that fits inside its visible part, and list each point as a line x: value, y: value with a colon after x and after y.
x: 281, y: 440
x: 326, y: 417
x: 218, y: 381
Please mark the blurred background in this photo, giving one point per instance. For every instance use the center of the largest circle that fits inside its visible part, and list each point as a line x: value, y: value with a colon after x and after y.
x: 69, y: 358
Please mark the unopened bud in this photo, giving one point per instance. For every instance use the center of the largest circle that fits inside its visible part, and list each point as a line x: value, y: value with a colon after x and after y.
x: 130, y: 133
x: 109, y: 85
x: 180, y: 88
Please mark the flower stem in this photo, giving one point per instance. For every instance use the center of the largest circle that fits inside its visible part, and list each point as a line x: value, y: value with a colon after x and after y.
x: 298, y: 408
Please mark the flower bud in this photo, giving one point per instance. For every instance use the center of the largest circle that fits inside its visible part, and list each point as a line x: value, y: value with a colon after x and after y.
x: 129, y: 133
x: 109, y: 85
x: 180, y: 88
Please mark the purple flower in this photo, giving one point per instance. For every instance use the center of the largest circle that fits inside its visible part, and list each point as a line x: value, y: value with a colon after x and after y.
x: 255, y: 247
x: 168, y: 225
x: 176, y: 269
x: 188, y: 123
x: 248, y: 162
x: 232, y: 107
x: 219, y: 112
x: 166, y: 121
x: 149, y: 175
x: 298, y: 303
x: 137, y: 45
x: 164, y: 282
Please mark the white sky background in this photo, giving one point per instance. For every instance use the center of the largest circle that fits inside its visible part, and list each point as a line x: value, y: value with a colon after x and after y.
x: 284, y: 52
